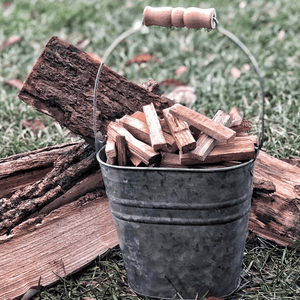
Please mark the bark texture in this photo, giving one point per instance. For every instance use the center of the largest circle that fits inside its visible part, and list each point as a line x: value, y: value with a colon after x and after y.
x: 19, y: 170
x: 61, y: 85
x: 66, y: 179
x: 275, y: 212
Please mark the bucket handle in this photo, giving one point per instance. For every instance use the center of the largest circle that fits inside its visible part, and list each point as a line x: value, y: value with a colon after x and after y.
x: 196, y: 18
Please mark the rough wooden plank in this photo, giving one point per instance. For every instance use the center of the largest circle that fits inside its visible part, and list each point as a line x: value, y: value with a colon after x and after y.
x: 223, y: 152
x: 205, y: 143
x: 61, y: 85
x: 158, y: 141
x: 263, y: 185
x: 65, y: 241
x: 110, y: 151
x: 172, y: 160
x: 180, y: 132
x: 203, y: 123
x: 235, y: 114
x: 121, y: 150
x: 138, y: 148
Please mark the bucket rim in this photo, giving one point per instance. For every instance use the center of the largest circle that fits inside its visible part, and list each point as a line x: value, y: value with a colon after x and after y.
x: 191, y: 170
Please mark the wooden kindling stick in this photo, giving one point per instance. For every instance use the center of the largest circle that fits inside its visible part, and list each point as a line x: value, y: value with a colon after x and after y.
x: 208, y: 126
x: 143, y: 151
x: 236, y: 150
x: 110, y: 151
x: 205, y: 143
x: 157, y: 138
x: 137, y: 125
x: 121, y: 150
x: 180, y: 131
x: 191, y: 17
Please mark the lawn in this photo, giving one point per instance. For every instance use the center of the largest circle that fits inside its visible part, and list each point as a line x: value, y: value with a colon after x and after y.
x: 271, y: 31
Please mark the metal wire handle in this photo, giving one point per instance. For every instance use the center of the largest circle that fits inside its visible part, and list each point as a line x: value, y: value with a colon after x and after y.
x: 239, y: 43
x: 138, y: 26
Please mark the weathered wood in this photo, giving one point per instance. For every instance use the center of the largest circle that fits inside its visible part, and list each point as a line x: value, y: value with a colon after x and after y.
x: 39, y: 218
x: 110, y: 151
x: 157, y: 138
x: 68, y: 169
x: 180, y: 132
x: 143, y: 151
x: 293, y: 161
x: 203, y: 123
x: 83, y: 187
x: 59, y: 244
x: 205, y: 143
x: 152, y: 86
x: 32, y: 160
x: 61, y: 85
x: 23, y: 169
x: 276, y: 215
x: 140, y: 116
x: 121, y: 150
x: 237, y: 150
x: 263, y: 185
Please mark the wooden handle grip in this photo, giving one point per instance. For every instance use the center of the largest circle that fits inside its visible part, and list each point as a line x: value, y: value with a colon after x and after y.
x: 192, y: 17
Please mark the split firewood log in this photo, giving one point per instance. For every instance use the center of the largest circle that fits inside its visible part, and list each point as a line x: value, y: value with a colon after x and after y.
x: 70, y: 175
x: 19, y: 170
x: 61, y: 85
x: 275, y: 212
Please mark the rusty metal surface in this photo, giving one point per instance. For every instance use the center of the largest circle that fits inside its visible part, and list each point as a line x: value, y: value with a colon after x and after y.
x: 180, y: 230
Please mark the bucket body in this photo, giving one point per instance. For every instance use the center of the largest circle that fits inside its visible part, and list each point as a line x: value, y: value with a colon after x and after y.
x: 180, y: 230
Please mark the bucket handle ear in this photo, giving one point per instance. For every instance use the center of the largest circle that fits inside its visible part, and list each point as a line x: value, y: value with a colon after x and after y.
x: 138, y: 26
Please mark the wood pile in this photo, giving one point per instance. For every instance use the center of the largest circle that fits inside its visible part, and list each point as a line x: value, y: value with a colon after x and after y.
x: 54, y: 216
x: 53, y: 199
x: 183, y: 138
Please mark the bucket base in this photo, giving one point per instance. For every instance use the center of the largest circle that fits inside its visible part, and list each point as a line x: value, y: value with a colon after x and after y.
x: 175, y: 296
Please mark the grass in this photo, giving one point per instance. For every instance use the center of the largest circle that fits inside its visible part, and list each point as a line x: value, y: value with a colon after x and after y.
x: 270, y: 29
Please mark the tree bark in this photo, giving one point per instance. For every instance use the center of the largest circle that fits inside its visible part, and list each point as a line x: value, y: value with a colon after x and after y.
x: 61, y: 85
x: 69, y: 175
x: 59, y: 208
x: 23, y: 169
x: 275, y: 212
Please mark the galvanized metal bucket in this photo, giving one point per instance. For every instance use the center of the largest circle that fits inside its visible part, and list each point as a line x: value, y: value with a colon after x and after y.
x: 180, y: 230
